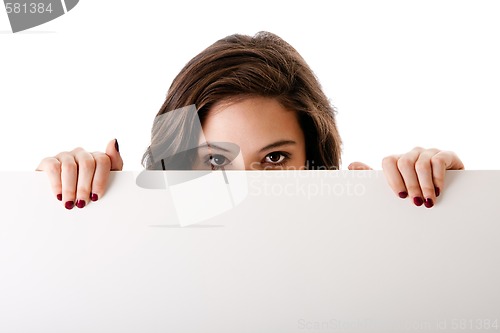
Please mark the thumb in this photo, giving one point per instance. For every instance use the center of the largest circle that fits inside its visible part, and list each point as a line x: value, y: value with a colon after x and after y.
x: 358, y: 166
x: 113, y: 151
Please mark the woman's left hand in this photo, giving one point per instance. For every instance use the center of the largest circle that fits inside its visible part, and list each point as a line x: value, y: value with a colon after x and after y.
x: 418, y: 174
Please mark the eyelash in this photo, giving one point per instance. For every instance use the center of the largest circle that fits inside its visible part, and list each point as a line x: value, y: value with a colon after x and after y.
x: 285, y: 155
x: 282, y: 153
x: 214, y: 167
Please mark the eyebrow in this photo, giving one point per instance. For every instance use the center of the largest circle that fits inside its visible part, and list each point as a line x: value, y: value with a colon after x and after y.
x: 211, y: 145
x: 277, y: 144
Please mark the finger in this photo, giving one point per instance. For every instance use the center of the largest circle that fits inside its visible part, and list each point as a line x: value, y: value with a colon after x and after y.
x: 393, y: 176
x: 442, y: 161
x: 69, y: 174
x: 52, y: 168
x: 113, y: 151
x: 424, y: 171
x: 358, y: 166
x: 406, y: 166
x: 101, y: 175
x: 86, y: 168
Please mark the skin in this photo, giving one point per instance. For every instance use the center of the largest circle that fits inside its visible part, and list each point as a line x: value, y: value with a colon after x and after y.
x: 269, y: 137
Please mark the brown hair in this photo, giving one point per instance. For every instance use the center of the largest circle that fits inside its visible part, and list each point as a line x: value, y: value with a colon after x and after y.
x: 238, y: 66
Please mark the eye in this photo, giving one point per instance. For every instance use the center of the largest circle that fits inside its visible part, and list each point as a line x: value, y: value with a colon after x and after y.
x: 275, y: 157
x: 218, y: 160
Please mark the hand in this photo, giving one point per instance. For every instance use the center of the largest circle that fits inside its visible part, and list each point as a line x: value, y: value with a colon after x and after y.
x: 418, y: 174
x: 76, y: 177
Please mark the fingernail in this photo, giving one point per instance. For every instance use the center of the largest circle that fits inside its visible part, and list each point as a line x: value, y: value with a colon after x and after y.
x: 117, y: 147
x: 94, y: 197
x: 59, y: 197
x: 69, y: 204
x: 437, y: 191
x: 80, y: 203
x: 418, y: 201
x: 403, y: 194
x: 429, y: 203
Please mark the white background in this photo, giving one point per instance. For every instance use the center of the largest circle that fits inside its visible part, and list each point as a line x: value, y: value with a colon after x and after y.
x: 400, y: 73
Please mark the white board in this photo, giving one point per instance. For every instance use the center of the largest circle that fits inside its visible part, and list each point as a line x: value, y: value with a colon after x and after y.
x: 301, y: 251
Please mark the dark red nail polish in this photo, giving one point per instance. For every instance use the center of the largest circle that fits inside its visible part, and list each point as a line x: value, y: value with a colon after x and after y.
x: 117, y: 147
x: 59, y: 197
x: 403, y: 194
x: 80, y: 203
x: 429, y: 203
x: 437, y: 191
x: 69, y: 204
x: 418, y: 201
x: 94, y: 197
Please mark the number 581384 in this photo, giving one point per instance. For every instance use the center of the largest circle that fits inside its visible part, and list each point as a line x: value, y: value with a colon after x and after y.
x: 28, y: 8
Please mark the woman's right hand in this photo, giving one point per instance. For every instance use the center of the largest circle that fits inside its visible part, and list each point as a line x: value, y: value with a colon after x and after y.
x: 76, y: 177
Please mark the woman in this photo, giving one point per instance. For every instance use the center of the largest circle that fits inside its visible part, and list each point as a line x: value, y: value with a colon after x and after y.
x: 257, y: 105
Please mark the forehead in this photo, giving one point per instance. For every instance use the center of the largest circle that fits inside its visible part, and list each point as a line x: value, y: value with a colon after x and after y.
x: 251, y: 121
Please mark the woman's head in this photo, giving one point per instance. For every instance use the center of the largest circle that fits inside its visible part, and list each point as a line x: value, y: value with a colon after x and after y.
x: 237, y: 72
